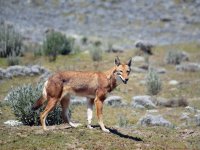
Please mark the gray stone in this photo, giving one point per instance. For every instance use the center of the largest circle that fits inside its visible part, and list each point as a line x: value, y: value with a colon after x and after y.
x: 138, y: 59
x: 184, y: 116
x: 2, y: 73
x: 35, y: 69
x: 143, y: 102
x: 22, y: 71
x: 190, y: 109
x: 138, y: 70
x: 114, y: 101
x: 173, y: 82
x: 154, y: 120
x: 76, y: 100
x: 161, y: 70
x: 197, y: 119
x: 189, y: 67
x: 13, y: 123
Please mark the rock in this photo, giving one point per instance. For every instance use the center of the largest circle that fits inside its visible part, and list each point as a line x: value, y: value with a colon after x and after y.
x: 145, y: 67
x: 144, y: 46
x: 143, y: 102
x: 2, y: 73
x: 184, y: 116
x: 76, y: 100
x: 35, y: 69
x: 189, y: 67
x: 173, y: 82
x: 114, y: 101
x: 152, y: 111
x: 160, y: 101
x: 45, y: 76
x: 197, y: 119
x: 191, y: 109
x: 161, y: 70
x: 116, y: 49
x: 22, y: 71
x: 184, y: 56
x: 154, y: 120
x: 13, y: 123
x: 15, y: 70
x: 174, y: 102
x: 138, y: 59
x: 138, y: 70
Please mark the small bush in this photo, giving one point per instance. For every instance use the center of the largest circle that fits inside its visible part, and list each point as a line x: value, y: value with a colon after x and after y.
x: 22, y: 99
x: 57, y: 43
x: 10, y: 41
x: 122, y: 121
x: 84, y: 40
x: 13, y: 60
x: 96, y: 54
x: 153, y: 82
x: 174, y: 57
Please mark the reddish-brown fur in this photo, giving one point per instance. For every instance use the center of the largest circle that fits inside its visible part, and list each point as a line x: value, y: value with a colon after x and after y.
x: 93, y: 85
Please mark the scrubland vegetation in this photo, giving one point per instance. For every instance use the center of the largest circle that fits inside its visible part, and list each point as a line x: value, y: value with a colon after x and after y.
x: 159, y: 108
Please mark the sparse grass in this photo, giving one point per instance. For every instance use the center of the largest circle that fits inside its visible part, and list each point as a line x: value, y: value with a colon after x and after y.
x: 69, y: 138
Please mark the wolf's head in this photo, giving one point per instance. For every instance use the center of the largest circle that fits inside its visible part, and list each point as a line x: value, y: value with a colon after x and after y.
x: 122, y: 70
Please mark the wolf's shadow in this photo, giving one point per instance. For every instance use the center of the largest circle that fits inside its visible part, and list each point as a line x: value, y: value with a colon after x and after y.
x: 116, y: 132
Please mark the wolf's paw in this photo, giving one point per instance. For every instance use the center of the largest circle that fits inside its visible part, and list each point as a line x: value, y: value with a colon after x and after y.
x: 106, y: 130
x: 75, y: 125
x: 90, y: 127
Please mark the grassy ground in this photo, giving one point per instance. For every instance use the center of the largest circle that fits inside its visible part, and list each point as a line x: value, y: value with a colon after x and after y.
x: 130, y: 137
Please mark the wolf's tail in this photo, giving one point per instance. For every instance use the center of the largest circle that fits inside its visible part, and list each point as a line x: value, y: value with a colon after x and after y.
x: 38, y: 103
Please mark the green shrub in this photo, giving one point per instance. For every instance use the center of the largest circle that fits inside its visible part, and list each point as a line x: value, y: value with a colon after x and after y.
x: 22, y: 99
x: 173, y: 57
x: 10, y: 41
x: 57, y: 43
x: 153, y: 82
x: 96, y: 54
x: 122, y: 121
x: 84, y: 40
x: 13, y: 60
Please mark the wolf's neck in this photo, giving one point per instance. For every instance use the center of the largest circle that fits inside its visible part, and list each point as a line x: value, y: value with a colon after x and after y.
x: 110, y: 74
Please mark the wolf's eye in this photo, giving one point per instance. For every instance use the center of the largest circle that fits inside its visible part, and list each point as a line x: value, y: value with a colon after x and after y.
x: 128, y: 71
x: 120, y: 71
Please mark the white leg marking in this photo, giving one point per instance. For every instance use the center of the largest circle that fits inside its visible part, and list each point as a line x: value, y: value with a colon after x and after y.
x: 44, y: 92
x: 89, y: 113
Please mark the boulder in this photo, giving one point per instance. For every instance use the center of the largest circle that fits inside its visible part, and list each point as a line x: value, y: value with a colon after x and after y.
x: 191, y: 109
x: 174, y: 102
x: 189, y: 67
x: 22, y: 71
x: 143, y: 102
x: 197, y: 119
x: 154, y: 120
x: 114, y: 101
x: 173, y: 82
x: 138, y: 59
x: 184, y: 116
x: 77, y: 100
x: 13, y: 123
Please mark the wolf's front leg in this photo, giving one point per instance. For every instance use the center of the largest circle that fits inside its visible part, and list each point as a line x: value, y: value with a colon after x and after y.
x: 99, y: 108
x: 90, y: 103
x: 65, y: 111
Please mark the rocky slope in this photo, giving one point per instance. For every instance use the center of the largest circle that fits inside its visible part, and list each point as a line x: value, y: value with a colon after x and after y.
x: 161, y: 22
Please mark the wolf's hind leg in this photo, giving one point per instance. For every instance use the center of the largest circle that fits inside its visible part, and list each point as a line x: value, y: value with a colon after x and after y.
x: 65, y: 101
x: 50, y: 106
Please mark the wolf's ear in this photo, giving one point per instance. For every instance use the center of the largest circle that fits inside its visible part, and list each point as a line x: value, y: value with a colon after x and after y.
x: 117, y: 61
x: 129, y: 62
